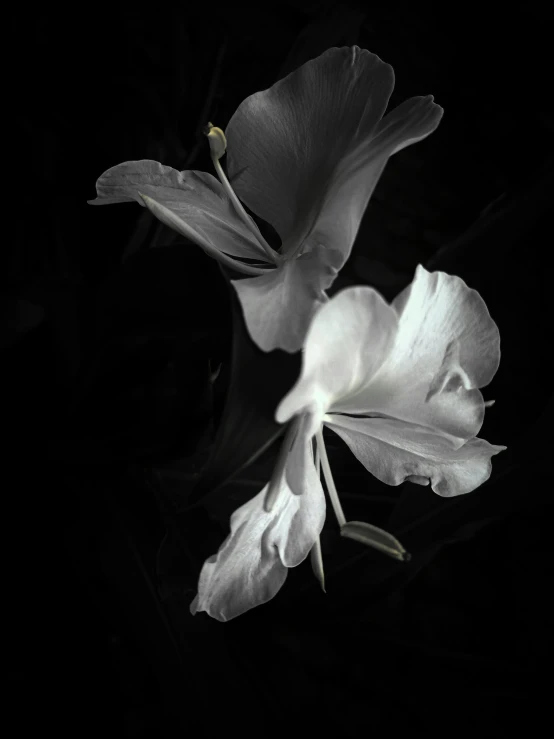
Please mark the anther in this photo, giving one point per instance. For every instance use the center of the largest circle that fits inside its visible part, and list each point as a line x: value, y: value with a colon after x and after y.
x: 216, y: 139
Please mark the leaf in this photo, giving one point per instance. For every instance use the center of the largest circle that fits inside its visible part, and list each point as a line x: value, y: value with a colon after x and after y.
x: 258, y: 382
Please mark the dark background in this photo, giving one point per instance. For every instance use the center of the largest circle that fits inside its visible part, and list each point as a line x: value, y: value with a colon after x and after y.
x: 110, y: 409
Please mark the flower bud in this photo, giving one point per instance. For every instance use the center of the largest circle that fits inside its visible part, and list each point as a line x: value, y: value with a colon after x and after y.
x: 217, y: 140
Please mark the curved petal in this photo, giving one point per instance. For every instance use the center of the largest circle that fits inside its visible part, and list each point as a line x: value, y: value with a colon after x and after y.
x: 300, y: 471
x: 198, y: 205
x: 348, y: 340
x: 394, y: 452
x: 251, y: 565
x: 343, y: 205
x: 446, y: 347
x: 300, y: 154
x: 279, y: 306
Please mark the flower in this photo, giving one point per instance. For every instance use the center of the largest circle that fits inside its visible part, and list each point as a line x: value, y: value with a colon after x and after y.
x: 400, y: 385
x: 305, y: 156
x: 252, y: 564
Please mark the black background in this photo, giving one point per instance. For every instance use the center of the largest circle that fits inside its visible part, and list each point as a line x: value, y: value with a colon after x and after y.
x: 109, y: 412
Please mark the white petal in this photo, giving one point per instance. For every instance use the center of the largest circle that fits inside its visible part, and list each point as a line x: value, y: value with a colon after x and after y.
x: 300, y: 470
x: 279, y: 306
x: 394, y: 451
x: 446, y: 347
x: 306, y: 154
x: 348, y: 340
x: 251, y: 565
x: 192, y: 203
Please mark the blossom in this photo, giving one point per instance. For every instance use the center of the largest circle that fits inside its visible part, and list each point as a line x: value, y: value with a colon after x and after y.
x: 252, y: 564
x: 399, y: 384
x: 304, y: 155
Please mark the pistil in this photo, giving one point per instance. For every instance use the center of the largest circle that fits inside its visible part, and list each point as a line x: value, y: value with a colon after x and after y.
x: 331, y: 489
x: 218, y: 147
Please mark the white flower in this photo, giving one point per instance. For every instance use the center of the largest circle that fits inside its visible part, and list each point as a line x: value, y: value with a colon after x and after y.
x: 400, y: 385
x: 304, y: 155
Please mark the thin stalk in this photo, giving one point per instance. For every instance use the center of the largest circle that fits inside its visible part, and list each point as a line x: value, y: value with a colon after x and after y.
x: 271, y: 253
x: 331, y: 489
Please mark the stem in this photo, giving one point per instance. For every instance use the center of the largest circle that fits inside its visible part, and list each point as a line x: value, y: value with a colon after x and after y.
x: 271, y: 253
x: 331, y: 489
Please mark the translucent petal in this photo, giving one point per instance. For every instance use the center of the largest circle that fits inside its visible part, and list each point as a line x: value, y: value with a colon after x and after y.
x: 395, y: 451
x: 301, y: 154
x: 446, y: 347
x: 251, y: 565
x: 279, y: 306
x: 197, y: 202
x: 348, y: 340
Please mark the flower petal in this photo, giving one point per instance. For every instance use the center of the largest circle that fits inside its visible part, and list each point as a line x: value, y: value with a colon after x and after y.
x: 300, y: 471
x: 301, y: 153
x: 394, y: 451
x: 279, y: 306
x: 198, y: 205
x: 251, y: 565
x: 348, y: 339
x: 446, y: 347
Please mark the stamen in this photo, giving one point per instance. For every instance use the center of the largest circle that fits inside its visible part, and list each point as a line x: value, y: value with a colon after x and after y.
x: 218, y: 146
x: 216, y: 139
x: 331, y: 489
x: 279, y: 470
x: 375, y: 537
